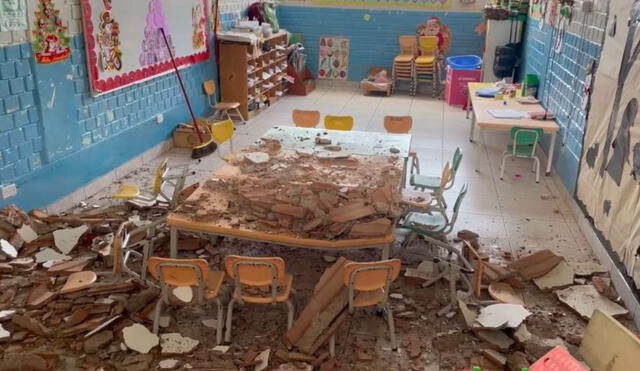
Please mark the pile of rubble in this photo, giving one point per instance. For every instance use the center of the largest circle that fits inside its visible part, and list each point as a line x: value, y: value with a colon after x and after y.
x: 310, y: 194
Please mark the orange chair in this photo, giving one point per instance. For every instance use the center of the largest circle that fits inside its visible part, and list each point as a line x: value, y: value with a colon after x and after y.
x: 187, y: 272
x: 306, y: 119
x: 368, y: 285
x: 338, y: 122
x: 402, y: 125
x: 258, y: 273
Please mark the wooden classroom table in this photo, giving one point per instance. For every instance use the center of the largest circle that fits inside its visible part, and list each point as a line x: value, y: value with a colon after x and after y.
x: 484, y: 120
x: 364, y: 144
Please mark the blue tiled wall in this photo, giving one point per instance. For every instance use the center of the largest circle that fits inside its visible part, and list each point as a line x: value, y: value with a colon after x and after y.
x: 374, y: 42
x: 55, y: 137
x: 21, y: 144
x: 562, y: 81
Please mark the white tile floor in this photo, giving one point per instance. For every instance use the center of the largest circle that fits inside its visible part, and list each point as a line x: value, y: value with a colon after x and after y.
x: 514, y: 215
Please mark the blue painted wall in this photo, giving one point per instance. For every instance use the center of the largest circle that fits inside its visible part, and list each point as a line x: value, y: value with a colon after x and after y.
x: 55, y: 137
x: 374, y: 42
x: 562, y: 77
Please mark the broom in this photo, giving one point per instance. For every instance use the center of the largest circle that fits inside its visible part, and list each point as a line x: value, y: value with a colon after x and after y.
x: 205, y: 147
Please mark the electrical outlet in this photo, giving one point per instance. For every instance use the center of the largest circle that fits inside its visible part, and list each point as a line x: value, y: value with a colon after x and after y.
x: 159, y: 118
x: 8, y: 191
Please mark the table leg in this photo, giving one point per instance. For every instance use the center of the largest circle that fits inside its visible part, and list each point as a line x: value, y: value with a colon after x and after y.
x: 468, y: 103
x: 404, y: 173
x: 473, y: 127
x: 386, y: 252
x: 173, y: 242
x: 551, y: 152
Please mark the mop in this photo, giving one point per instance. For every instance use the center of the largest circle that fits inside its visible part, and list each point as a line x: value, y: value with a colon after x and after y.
x: 205, y: 147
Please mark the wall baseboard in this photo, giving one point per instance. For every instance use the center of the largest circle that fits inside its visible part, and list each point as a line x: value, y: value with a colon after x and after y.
x: 105, y: 180
x: 620, y: 283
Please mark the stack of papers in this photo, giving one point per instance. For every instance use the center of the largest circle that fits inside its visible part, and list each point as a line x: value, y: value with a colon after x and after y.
x: 506, y: 113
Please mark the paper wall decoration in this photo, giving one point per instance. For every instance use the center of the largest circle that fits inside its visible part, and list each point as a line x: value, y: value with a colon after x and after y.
x: 433, y: 4
x: 50, y: 37
x: 13, y: 15
x: 109, y: 41
x: 124, y: 44
x: 609, y: 179
x: 334, y: 58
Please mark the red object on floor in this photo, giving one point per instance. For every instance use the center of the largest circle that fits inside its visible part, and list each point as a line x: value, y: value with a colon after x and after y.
x: 558, y: 359
x: 455, y: 87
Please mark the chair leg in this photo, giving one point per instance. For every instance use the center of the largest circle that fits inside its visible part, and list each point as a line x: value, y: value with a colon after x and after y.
x: 241, y: 117
x: 227, y: 335
x: 290, y: 311
x: 502, y: 166
x: 392, y: 329
x: 537, y: 161
x: 156, y: 316
x: 219, y: 320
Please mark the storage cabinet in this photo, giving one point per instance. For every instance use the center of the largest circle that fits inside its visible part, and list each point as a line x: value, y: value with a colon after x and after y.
x: 254, y: 74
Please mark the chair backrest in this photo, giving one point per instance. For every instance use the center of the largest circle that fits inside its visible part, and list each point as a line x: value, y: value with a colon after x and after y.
x: 371, y: 276
x: 458, y: 203
x: 398, y: 124
x: 210, y: 87
x: 253, y: 271
x: 526, y: 137
x: 338, y: 122
x: 408, y: 44
x: 457, y: 160
x: 305, y: 119
x: 428, y: 45
x: 222, y: 131
x: 179, y: 272
x: 446, y: 177
x: 161, y: 171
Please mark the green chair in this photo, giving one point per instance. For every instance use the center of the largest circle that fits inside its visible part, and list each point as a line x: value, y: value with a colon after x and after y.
x: 525, y: 142
x: 434, y: 225
x: 434, y: 183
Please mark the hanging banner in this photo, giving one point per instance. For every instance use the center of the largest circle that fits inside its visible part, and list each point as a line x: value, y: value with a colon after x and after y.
x: 13, y: 15
x: 433, y: 4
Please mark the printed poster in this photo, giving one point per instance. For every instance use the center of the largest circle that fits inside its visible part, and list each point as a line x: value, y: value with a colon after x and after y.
x: 13, y: 15
x: 433, y: 4
x: 334, y: 58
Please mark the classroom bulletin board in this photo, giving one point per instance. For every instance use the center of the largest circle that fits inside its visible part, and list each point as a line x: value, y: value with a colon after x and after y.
x: 124, y: 42
x: 429, y: 4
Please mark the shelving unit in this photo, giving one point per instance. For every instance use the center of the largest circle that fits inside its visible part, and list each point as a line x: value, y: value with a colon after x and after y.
x: 252, y: 76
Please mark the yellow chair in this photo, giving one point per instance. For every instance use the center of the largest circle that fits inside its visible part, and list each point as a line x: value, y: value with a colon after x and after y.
x: 258, y: 273
x: 132, y: 193
x: 305, y: 119
x: 191, y: 273
x: 222, y: 132
x: 344, y: 123
x: 426, y: 65
x: 221, y: 108
x: 369, y: 285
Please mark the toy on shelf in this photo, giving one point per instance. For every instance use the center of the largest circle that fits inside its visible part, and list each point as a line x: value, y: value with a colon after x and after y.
x: 378, y: 81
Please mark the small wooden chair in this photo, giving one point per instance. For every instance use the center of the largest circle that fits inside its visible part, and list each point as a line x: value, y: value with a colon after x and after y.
x: 344, y: 123
x: 369, y: 285
x: 222, y: 109
x: 402, y: 125
x: 222, y: 132
x: 305, y: 119
x: 187, y: 272
x: 258, y: 273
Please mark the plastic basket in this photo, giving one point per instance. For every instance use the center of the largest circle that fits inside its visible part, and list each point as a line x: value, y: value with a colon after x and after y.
x: 464, y: 62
